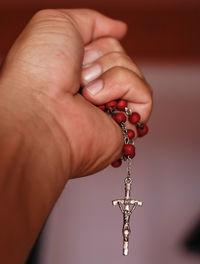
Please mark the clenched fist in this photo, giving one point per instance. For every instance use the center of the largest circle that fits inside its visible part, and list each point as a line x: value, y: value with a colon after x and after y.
x: 49, y: 131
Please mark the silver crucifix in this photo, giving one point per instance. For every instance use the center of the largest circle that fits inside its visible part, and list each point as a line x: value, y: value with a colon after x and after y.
x: 127, y: 206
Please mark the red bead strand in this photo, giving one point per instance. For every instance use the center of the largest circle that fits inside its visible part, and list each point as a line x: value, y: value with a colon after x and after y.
x: 128, y: 149
x: 142, y: 130
x: 102, y: 107
x: 111, y: 105
x: 120, y: 117
x: 113, y: 108
x: 121, y: 104
x: 117, y: 163
x: 130, y: 133
x: 134, y: 118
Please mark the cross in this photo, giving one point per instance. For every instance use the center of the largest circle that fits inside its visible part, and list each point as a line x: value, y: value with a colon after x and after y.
x: 127, y: 206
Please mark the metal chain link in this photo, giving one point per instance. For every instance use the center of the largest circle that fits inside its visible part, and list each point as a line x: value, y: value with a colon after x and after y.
x: 128, y: 111
x: 124, y: 131
x: 128, y: 179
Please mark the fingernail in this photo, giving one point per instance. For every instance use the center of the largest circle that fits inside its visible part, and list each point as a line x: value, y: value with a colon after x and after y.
x: 91, y: 73
x: 95, y: 87
x: 90, y: 56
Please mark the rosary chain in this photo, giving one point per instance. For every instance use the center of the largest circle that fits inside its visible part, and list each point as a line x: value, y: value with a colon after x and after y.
x: 128, y: 111
x: 113, y: 111
x: 128, y: 179
x: 126, y: 205
x: 124, y: 131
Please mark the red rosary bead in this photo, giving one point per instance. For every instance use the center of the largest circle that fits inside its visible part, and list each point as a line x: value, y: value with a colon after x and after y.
x: 130, y: 133
x: 117, y: 163
x: 128, y: 149
x: 131, y: 156
x: 120, y: 117
x: 121, y: 104
x: 102, y: 107
x: 114, y: 116
x: 111, y: 105
x: 134, y: 118
x: 142, y: 130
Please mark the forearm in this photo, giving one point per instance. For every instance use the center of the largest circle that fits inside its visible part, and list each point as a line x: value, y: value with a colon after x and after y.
x: 32, y: 174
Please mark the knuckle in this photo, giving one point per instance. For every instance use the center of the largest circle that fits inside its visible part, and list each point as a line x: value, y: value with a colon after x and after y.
x: 149, y: 88
x: 120, y: 73
x: 117, y: 58
x: 121, y: 59
x: 89, y: 11
x: 51, y: 14
x: 148, y: 96
x: 44, y: 12
x: 54, y: 17
x: 112, y: 42
x: 124, y: 75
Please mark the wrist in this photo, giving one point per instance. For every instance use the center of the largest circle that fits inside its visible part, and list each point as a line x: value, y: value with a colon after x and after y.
x: 29, y: 116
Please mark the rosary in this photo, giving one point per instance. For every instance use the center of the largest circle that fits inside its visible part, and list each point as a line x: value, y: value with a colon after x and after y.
x: 119, y: 111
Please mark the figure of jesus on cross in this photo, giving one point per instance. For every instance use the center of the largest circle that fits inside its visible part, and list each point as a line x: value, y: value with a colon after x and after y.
x: 127, y: 206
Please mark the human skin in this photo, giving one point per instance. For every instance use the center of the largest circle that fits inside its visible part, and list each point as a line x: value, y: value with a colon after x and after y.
x: 48, y: 131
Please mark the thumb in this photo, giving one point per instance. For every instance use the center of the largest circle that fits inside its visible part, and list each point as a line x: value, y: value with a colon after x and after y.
x: 92, y: 24
x: 49, y: 51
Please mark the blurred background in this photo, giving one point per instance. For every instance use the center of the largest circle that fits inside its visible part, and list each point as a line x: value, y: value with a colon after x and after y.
x: 164, y: 40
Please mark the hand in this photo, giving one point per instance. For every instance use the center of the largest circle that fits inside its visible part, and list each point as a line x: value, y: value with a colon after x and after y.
x: 46, y: 61
x: 44, y: 65
x: 49, y: 132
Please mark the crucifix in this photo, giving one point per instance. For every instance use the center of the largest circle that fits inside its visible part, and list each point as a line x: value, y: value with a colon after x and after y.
x: 127, y: 206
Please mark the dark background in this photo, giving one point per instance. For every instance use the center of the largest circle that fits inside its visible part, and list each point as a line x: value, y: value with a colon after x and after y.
x: 157, y: 29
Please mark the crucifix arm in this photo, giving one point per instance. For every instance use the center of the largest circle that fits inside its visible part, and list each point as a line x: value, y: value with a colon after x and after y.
x: 119, y: 202
x: 137, y: 203
x: 115, y: 202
